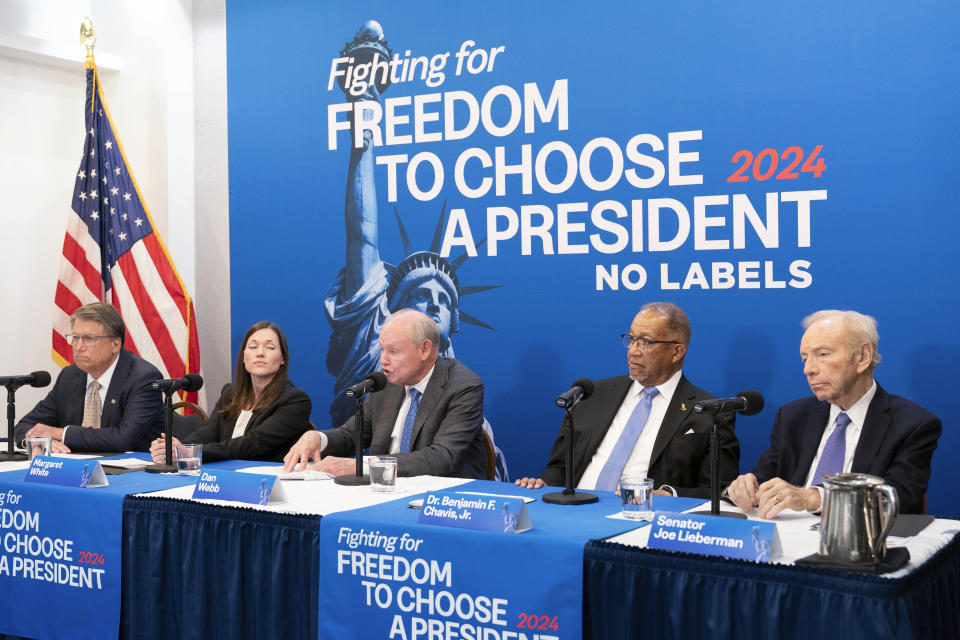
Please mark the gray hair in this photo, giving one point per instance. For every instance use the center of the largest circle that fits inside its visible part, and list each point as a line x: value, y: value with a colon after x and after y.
x: 422, y: 328
x: 859, y: 329
x: 677, y: 321
x: 105, y: 314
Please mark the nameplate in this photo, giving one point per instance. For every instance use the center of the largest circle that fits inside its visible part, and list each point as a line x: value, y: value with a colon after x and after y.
x: 715, y: 536
x: 483, y: 512
x: 251, y: 488
x: 66, y: 472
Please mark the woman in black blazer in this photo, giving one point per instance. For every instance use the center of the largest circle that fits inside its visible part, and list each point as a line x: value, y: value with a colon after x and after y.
x: 262, y: 414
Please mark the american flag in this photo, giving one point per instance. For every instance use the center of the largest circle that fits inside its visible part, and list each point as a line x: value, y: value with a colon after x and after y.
x: 112, y: 253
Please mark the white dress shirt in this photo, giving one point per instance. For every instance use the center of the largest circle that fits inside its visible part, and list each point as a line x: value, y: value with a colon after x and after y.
x: 397, y: 434
x: 243, y: 420
x: 639, y: 461
x: 857, y: 414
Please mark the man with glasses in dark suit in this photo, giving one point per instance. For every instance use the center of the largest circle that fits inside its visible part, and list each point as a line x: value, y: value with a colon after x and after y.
x: 643, y: 424
x: 102, y: 402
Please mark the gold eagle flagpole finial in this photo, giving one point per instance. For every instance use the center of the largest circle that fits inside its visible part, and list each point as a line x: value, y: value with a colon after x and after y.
x: 88, y: 38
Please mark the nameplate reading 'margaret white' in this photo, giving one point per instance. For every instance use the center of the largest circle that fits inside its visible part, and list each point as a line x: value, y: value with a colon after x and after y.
x: 66, y: 472
x: 715, y: 536
x: 251, y: 488
x: 485, y: 512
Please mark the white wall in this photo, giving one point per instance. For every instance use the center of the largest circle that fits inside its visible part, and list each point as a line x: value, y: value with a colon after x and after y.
x: 171, y: 118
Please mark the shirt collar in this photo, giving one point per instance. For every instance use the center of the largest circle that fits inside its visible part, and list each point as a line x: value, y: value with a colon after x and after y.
x: 665, y: 388
x: 422, y: 385
x: 858, y: 412
x: 107, y: 376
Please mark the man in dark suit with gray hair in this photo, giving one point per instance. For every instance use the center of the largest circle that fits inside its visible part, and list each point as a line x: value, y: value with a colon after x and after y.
x: 102, y: 402
x: 429, y: 415
x: 851, y: 425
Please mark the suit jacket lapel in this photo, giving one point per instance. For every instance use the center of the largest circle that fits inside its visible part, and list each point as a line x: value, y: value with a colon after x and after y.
x: 109, y: 412
x: 874, y: 428
x: 431, y: 398
x: 680, y: 407
x: 816, y: 425
x: 393, y: 397
x: 592, y: 425
x: 75, y: 397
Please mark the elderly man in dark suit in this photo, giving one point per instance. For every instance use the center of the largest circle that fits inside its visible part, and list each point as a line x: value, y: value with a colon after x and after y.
x: 429, y: 415
x: 644, y: 424
x: 101, y: 402
x: 852, y: 425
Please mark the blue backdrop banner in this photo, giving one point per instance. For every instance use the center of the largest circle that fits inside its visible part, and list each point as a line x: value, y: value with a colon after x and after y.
x: 530, y: 175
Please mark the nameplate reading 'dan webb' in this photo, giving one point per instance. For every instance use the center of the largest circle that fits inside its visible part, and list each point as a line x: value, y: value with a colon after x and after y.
x: 66, y: 472
x: 715, y: 536
x: 485, y: 512
x: 251, y: 488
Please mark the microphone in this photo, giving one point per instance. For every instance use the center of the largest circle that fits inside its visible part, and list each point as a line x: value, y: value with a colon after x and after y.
x: 371, y: 384
x: 745, y: 402
x: 35, y: 379
x: 581, y: 389
x: 190, y: 382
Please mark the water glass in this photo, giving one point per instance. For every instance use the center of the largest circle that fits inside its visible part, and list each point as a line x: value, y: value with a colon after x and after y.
x: 636, y: 494
x: 383, y: 473
x: 189, y: 457
x: 38, y: 446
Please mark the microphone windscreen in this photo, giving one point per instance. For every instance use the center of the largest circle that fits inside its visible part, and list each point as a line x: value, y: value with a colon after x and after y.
x: 754, y: 402
x: 40, y: 378
x: 379, y: 381
x: 586, y: 385
x: 194, y: 382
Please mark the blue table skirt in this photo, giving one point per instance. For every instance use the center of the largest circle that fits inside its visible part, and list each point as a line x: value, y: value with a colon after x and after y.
x: 633, y: 593
x: 192, y: 557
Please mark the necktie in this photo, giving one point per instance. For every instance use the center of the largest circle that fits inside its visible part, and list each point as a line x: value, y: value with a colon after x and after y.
x: 92, y: 408
x: 610, y: 474
x: 408, y: 422
x: 831, y: 460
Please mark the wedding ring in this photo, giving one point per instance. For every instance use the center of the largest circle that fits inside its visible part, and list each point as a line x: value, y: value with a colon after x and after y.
x: 776, y: 499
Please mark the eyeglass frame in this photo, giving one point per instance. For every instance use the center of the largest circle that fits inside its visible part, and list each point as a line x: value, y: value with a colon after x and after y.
x: 92, y: 340
x: 643, y: 344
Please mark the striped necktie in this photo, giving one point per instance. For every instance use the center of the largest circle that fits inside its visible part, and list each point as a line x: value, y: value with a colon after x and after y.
x: 93, y: 407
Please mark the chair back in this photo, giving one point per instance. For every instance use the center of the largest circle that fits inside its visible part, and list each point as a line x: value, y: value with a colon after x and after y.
x: 185, y: 425
x: 491, y: 456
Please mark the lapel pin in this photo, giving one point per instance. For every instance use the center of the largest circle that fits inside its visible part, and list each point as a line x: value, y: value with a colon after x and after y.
x: 683, y: 406
x: 113, y: 401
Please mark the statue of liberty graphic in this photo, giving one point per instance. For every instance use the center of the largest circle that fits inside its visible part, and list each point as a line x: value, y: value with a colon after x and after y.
x: 367, y: 290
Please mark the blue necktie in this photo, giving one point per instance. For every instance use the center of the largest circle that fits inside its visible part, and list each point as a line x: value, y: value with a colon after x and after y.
x: 610, y: 474
x: 408, y: 422
x: 831, y: 460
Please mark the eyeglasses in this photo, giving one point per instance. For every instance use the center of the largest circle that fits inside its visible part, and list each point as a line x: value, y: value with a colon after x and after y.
x: 643, y: 344
x: 90, y: 340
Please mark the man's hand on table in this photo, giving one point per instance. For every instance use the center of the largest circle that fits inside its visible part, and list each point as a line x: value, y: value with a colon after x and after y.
x: 530, y: 483
x: 308, y: 446
x: 775, y: 495
x: 336, y: 466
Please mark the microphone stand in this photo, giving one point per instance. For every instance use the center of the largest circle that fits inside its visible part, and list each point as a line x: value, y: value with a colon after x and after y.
x: 358, y: 478
x: 715, y: 476
x: 10, y: 454
x: 569, y: 495
x: 169, y: 467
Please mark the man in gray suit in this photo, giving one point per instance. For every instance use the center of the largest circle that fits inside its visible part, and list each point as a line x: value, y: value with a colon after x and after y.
x: 429, y: 415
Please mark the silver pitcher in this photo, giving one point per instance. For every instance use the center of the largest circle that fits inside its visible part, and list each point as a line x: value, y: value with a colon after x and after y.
x: 852, y: 529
